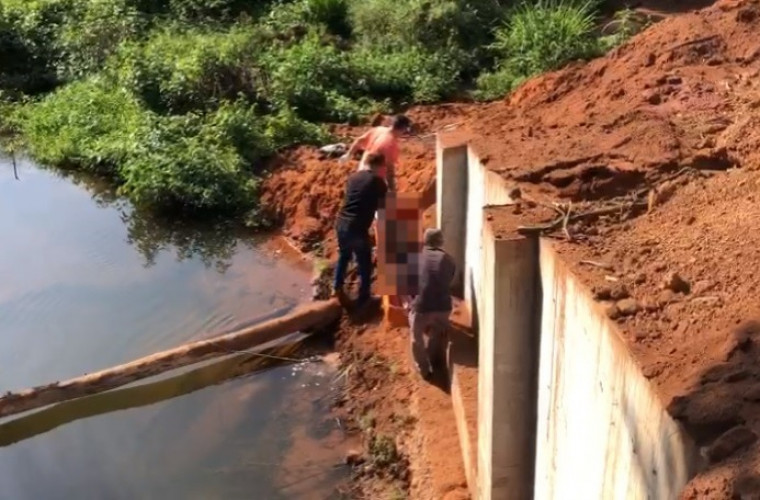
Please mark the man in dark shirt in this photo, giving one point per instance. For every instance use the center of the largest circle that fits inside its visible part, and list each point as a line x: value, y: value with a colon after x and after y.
x: 365, y: 193
x: 430, y: 310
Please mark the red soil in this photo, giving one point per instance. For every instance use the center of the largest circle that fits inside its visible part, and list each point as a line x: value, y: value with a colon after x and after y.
x: 306, y: 191
x: 386, y: 397
x: 685, y: 93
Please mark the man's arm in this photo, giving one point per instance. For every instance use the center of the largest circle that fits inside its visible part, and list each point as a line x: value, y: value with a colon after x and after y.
x: 360, y: 142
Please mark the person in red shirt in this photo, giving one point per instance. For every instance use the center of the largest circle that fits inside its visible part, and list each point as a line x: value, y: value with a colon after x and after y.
x: 383, y: 141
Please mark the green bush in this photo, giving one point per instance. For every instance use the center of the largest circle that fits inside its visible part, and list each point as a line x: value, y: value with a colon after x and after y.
x: 28, y: 43
x: 285, y: 128
x: 192, y: 163
x: 540, y: 37
x: 94, y: 31
x: 310, y: 77
x: 89, y: 124
x: 184, y: 165
x: 454, y: 26
x: 200, y: 10
x: 405, y: 75
x: 333, y: 14
x: 177, y: 71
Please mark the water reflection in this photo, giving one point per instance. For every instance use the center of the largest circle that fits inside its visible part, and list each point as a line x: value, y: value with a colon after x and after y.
x: 87, y: 283
x: 18, y: 429
x: 213, y: 242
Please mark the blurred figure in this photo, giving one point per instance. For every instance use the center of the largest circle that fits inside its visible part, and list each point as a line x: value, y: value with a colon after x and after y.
x: 365, y: 193
x: 384, y: 141
x: 430, y: 310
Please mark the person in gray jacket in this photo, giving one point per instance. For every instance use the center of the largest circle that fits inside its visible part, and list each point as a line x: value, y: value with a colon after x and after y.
x: 430, y: 309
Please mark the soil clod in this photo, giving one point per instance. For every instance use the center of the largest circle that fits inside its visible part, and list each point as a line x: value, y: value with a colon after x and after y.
x: 730, y: 442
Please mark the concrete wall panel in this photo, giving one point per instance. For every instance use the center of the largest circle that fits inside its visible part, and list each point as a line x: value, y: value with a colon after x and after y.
x: 603, y: 432
x: 507, y: 364
x: 451, y: 206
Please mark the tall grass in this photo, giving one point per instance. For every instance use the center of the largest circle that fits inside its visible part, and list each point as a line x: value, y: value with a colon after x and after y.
x: 539, y: 37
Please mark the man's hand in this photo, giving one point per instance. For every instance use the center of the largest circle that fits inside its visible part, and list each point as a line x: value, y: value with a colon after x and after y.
x: 343, y: 159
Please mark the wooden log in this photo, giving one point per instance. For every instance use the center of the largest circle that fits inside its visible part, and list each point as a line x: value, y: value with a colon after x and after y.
x: 45, y: 420
x: 302, y: 318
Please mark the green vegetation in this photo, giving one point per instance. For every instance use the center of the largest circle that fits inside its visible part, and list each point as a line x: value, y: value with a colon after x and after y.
x: 180, y: 102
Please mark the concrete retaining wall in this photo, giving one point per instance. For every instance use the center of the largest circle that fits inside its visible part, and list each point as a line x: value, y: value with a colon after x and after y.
x: 464, y: 188
x: 573, y: 417
x: 507, y: 357
x: 602, y: 430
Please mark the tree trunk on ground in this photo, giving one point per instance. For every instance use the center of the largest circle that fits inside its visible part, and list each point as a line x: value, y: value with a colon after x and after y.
x: 305, y: 317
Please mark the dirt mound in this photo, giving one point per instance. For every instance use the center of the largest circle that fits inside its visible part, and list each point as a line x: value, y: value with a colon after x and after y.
x: 682, y: 93
x: 685, y: 93
x: 305, y: 190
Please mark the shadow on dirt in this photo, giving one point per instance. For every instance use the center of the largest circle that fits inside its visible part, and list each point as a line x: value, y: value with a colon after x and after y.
x: 720, y: 412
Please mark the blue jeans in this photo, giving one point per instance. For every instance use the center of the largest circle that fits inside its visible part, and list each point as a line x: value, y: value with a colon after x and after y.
x: 349, y: 245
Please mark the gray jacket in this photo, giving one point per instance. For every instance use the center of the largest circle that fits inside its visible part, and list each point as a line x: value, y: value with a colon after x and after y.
x: 437, y: 271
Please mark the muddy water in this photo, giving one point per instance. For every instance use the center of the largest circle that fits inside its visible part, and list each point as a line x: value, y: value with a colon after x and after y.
x: 86, y: 283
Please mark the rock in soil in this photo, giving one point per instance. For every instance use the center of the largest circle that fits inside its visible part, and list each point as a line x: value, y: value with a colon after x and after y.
x: 619, y: 292
x: 602, y: 293
x: 665, y: 297
x: 676, y: 283
x: 612, y: 311
x: 628, y: 307
x: 354, y: 458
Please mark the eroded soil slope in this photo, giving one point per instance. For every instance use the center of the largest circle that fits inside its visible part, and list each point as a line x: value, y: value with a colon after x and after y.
x: 682, y: 93
x: 677, y: 267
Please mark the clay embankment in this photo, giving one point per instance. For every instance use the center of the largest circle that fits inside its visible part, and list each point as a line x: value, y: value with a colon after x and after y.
x: 683, y: 252
x: 683, y: 94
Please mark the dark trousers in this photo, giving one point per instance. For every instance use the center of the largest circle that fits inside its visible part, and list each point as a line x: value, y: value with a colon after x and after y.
x: 429, y: 332
x: 351, y: 244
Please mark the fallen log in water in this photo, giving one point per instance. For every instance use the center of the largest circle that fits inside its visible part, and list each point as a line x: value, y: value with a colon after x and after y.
x: 40, y: 422
x: 302, y: 318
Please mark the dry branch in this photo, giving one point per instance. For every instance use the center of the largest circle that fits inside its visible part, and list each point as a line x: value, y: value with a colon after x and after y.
x: 302, y: 318
x: 601, y: 265
x: 560, y: 221
x: 624, y: 206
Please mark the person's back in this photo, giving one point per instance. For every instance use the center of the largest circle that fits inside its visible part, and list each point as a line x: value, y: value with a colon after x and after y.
x: 429, y: 315
x: 437, y: 271
x: 364, y: 190
x: 382, y: 140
